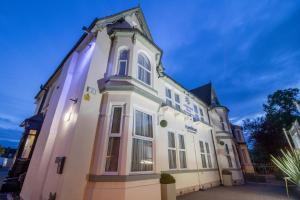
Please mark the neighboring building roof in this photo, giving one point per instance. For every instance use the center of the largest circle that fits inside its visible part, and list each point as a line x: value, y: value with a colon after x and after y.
x: 204, y: 93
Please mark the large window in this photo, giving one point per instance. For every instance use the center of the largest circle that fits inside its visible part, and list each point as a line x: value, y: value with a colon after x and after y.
x: 144, y: 69
x: 205, y: 154
x: 172, y: 150
x: 222, y: 123
x: 182, y: 153
x: 142, y: 147
x: 112, y: 155
x: 123, y: 62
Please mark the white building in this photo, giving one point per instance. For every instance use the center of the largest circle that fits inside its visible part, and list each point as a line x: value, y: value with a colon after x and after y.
x: 113, y: 121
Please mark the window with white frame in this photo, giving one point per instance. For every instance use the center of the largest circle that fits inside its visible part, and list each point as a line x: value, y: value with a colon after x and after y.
x: 208, y: 155
x: 172, y: 150
x: 168, y: 96
x: 202, y: 154
x: 201, y: 114
x: 112, y: 155
x: 196, y: 115
x: 177, y: 101
x: 123, y: 62
x: 228, y: 155
x: 142, y: 143
x: 182, y: 151
x: 144, y: 69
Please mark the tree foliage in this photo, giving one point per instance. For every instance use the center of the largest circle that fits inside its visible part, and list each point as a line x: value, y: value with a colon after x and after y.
x: 266, y: 133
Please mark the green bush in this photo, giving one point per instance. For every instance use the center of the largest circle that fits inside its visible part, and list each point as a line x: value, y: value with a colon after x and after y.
x: 289, y: 164
x: 166, y: 178
x: 226, y: 172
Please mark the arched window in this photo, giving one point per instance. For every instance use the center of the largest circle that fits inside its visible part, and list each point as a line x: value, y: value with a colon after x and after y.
x: 144, y: 69
x: 123, y: 62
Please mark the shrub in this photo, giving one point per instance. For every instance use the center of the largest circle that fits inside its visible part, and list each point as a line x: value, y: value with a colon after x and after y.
x: 289, y: 164
x: 166, y: 178
x: 226, y: 172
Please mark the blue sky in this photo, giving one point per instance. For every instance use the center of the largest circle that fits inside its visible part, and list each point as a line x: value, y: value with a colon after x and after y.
x: 248, y: 49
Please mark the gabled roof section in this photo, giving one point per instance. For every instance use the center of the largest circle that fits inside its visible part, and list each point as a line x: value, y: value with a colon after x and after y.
x: 207, y: 94
x: 130, y: 14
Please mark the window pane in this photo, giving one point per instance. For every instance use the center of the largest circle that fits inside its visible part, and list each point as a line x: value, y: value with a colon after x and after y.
x: 201, y: 111
x: 169, y: 102
x: 181, y: 142
x: 147, y: 77
x: 122, y: 67
x: 142, y: 159
x: 124, y: 55
x: 209, y: 161
x: 138, y: 122
x: 182, y: 159
x: 207, y: 147
x: 116, y: 120
x: 203, y: 159
x: 112, y: 154
x: 171, y: 140
x: 144, y: 62
x: 201, y: 147
x: 168, y: 93
x: 143, y: 124
x: 177, y: 98
x: 172, y: 159
x: 226, y: 149
x: 195, y: 109
x: 229, y: 161
x: 177, y: 107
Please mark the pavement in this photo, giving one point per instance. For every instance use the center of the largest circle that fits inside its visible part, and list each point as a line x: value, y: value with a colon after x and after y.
x: 249, y: 191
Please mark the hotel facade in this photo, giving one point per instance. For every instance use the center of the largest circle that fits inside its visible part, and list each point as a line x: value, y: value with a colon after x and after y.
x: 113, y: 121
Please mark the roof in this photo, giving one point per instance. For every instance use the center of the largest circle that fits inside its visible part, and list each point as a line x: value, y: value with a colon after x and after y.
x: 204, y: 93
x: 113, y: 17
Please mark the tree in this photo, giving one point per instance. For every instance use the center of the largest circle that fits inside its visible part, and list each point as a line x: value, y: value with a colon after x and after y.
x: 266, y: 133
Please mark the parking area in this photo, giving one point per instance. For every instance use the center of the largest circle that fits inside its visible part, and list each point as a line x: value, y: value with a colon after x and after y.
x: 250, y: 191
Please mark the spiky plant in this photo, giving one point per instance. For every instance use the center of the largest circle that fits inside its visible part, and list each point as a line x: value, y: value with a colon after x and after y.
x: 289, y: 164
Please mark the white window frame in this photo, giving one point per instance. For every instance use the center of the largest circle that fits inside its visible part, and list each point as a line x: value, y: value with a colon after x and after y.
x: 138, y: 66
x: 203, y: 153
x: 172, y: 149
x: 208, y: 156
x: 168, y: 98
x: 119, y: 60
x: 177, y: 103
x: 182, y: 150
x: 143, y: 138
x: 114, y: 135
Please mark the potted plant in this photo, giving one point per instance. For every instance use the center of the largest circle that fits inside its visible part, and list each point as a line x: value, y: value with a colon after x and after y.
x: 289, y: 164
x: 227, y: 177
x: 168, y: 190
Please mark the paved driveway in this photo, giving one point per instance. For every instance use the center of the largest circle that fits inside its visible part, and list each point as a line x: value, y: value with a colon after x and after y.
x: 244, y: 192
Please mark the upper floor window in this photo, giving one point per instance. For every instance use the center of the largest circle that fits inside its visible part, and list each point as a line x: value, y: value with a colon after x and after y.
x: 123, y: 62
x: 177, y: 101
x: 144, y: 69
x: 168, y: 97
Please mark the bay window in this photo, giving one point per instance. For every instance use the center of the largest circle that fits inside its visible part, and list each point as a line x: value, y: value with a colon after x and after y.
x: 144, y: 69
x: 112, y: 156
x: 142, y: 143
x: 123, y: 62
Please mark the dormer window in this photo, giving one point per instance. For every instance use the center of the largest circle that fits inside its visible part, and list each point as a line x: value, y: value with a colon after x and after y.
x: 144, y: 69
x: 123, y: 62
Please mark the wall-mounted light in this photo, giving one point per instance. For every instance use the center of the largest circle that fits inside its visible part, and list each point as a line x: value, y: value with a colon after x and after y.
x: 68, y: 115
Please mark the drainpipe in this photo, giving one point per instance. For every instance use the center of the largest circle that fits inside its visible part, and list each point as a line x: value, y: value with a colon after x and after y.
x: 213, y: 139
